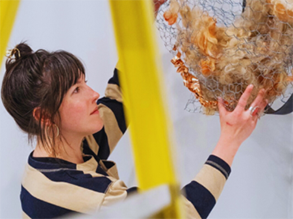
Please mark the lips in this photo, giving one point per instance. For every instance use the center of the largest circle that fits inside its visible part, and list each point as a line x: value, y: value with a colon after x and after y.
x: 96, y: 111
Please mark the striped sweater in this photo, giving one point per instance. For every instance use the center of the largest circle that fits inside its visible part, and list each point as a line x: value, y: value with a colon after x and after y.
x: 53, y: 187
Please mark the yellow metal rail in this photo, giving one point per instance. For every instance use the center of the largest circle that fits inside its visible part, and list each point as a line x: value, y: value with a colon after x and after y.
x: 141, y: 82
x: 8, y: 9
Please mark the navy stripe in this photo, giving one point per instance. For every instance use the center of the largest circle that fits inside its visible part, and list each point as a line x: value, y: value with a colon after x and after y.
x: 117, y: 109
x: 200, y: 197
x: 78, y: 178
x: 36, y: 208
x: 87, y: 150
x: 102, y: 140
x: 104, y: 149
x: 65, y: 171
x: 49, y: 163
x: 108, y: 164
x: 131, y: 191
x: 114, y: 79
x: 101, y: 171
x: 219, y: 164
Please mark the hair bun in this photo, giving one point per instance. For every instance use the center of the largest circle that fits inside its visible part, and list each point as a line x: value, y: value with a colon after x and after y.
x: 24, y: 50
x: 19, y: 51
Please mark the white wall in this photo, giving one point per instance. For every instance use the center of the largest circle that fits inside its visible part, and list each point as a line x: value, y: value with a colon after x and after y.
x: 260, y: 185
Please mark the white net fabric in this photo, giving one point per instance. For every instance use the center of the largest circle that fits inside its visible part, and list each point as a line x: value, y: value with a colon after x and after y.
x: 225, y: 45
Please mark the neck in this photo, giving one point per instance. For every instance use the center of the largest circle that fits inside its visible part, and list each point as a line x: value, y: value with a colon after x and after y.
x: 69, y: 149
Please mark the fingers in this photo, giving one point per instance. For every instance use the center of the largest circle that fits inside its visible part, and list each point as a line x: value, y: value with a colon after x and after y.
x: 244, y: 98
x: 222, y: 109
x: 263, y: 104
x: 258, y: 104
x: 259, y: 99
x: 257, y: 107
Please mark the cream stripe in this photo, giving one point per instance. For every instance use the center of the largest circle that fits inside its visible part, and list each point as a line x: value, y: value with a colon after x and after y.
x: 62, y: 194
x: 116, y: 192
x: 219, y: 167
x: 190, y: 211
x: 212, y: 179
x: 89, y: 167
x: 92, y: 144
x: 113, y: 92
x: 113, y: 171
x: 25, y: 216
x: 112, y: 129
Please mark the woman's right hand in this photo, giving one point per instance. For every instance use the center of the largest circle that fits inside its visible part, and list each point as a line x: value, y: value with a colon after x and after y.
x: 236, y: 126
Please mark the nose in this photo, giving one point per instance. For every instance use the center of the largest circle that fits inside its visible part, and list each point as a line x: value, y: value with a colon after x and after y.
x: 95, y: 96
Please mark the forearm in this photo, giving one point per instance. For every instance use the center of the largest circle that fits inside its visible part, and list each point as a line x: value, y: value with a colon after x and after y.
x: 203, y: 192
x: 226, y: 149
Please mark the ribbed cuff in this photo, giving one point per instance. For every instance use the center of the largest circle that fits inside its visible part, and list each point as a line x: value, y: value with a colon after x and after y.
x: 219, y: 164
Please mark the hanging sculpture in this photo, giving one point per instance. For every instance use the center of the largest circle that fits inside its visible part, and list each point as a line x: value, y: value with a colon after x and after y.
x: 222, y: 46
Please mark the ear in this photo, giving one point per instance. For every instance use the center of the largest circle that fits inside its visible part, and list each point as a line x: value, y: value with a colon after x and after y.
x: 37, y: 116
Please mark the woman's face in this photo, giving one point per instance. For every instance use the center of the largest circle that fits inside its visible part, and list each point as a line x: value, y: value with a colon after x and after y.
x: 79, y: 111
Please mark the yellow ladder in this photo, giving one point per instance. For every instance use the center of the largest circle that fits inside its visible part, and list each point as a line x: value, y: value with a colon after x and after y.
x: 142, y: 87
x: 8, y: 9
x: 141, y: 81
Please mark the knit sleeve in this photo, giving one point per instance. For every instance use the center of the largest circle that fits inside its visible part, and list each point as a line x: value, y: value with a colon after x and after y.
x: 111, y: 110
x: 116, y: 192
x: 199, y: 196
x: 202, y: 193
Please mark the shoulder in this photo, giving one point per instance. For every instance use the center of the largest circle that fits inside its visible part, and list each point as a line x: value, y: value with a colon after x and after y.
x: 49, y: 190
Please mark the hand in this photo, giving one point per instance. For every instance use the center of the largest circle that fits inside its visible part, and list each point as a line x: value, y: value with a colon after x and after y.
x: 157, y: 5
x: 237, y: 126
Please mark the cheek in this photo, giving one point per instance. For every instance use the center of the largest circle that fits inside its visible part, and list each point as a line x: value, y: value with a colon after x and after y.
x: 72, y: 115
x: 76, y: 118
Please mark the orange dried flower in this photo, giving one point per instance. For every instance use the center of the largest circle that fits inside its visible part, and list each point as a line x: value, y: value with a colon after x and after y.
x: 207, y: 66
x: 281, y: 11
x: 205, y: 37
x: 171, y: 14
x: 170, y: 18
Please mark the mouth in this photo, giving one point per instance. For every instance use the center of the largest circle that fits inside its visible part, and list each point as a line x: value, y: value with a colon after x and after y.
x: 96, y: 111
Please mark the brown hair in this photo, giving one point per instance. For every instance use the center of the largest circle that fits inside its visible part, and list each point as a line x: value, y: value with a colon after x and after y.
x: 38, y: 79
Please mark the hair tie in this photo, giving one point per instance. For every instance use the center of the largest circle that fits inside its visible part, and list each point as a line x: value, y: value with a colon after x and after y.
x: 11, y: 52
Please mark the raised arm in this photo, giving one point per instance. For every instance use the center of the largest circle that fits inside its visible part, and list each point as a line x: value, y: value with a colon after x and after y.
x: 111, y: 110
x: 203, y: 192
x: 103, y: 142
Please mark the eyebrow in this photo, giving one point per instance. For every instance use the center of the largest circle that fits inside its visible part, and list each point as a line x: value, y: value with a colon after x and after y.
x: 80, y: 79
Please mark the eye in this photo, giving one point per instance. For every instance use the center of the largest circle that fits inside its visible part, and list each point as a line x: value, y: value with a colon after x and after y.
x: 76, y: 90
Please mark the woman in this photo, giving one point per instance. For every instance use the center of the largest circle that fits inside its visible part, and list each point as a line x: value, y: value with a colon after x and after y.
x: 55, y: 104
x: 47, y: 95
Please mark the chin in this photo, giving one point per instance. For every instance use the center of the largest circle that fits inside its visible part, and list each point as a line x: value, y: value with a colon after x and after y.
x: 97, y: 128
x: 95, y: 125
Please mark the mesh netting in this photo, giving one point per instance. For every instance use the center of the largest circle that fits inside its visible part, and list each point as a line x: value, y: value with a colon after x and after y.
x: 222, y: 46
